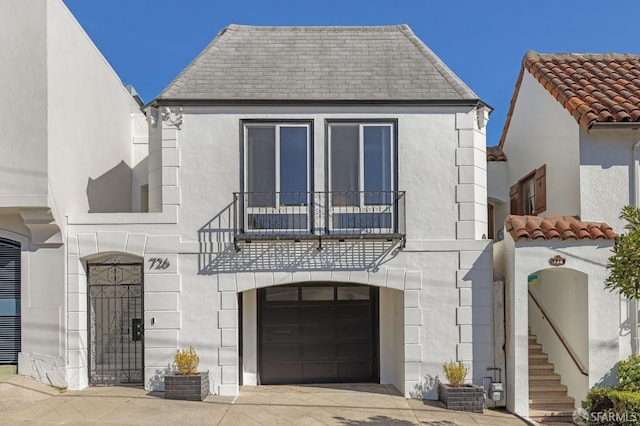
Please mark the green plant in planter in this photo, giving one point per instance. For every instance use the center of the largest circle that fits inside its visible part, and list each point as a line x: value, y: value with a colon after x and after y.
x: 187, y: 361
x: 455, y: 372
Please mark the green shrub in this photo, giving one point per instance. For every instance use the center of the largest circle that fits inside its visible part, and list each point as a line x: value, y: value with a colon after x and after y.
x: 629, y: 373
x: 455, y: 373
x: 609, y: 406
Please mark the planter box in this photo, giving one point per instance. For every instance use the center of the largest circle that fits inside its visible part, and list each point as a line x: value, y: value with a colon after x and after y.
x: 465, y: 398
x: 189, y: 388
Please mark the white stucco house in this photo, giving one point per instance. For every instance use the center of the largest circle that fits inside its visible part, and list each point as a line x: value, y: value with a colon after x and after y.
x: 566, y: 165
x: 301, y: 204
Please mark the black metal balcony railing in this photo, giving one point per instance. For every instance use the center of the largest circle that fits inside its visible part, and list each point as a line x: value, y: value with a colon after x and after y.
x: 316, y: 215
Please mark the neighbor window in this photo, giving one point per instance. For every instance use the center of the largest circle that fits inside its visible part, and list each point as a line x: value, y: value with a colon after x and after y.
x: 529, y: 195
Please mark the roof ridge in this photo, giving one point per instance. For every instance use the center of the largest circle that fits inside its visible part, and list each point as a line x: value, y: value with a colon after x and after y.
x: 316, y: 27
x: 446, y: 72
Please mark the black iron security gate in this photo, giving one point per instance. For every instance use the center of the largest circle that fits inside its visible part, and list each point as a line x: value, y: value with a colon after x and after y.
x: 115, y: 323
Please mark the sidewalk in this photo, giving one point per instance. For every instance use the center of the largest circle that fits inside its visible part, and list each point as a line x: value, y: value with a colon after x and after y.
x: 24, y: 401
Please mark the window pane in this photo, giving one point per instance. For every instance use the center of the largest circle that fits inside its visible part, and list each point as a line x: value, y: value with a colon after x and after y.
x: 293, y: 165
x: 276, y: 294
x: 377, y: 164
x: 529, y: 196
x: 345, y: 165
x: 317, y: 293
x: 353, y: 293
x: 261, y: 166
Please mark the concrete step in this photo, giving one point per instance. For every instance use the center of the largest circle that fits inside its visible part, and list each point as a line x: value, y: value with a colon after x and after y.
x: 551, y: 416
x: 547, y: 387
x: 535, y: 347
x: 540, y: 368
x: 532, y: 338
x: 544, y: 379
x: 538, y: 359
x: 552, y: 402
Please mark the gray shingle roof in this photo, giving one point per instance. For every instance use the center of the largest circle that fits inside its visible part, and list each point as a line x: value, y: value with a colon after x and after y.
x: 245, y: 63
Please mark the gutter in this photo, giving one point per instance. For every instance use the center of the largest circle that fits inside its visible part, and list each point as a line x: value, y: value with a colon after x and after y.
x: 616, y: 125
x: 159, y: 102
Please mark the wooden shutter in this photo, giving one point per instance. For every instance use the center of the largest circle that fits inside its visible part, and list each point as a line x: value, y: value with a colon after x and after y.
x: 541, y: 189
x: 514, y: 198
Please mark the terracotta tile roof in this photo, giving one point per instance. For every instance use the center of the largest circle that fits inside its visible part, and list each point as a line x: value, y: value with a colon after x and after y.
x: 494, y: 153
x: 556, y: 227
x: 594, y: 88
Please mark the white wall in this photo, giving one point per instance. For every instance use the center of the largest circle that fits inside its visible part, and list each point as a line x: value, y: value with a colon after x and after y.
x: 392, y: 337
x: 89, y: 122
x: 23, y: 53
x: 606, y: 175
x: 543, y: 132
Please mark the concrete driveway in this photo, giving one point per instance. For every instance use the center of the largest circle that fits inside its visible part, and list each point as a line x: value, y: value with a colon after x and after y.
x: 24, y: 401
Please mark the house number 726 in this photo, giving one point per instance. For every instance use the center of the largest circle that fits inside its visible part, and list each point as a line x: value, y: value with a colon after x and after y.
x: 159, y: 263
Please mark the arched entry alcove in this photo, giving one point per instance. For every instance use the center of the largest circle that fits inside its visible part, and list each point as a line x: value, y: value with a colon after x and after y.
x: 558, y: 308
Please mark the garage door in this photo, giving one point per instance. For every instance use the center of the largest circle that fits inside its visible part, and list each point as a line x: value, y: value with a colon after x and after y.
x: 320, y: 333
x: 9, y: 302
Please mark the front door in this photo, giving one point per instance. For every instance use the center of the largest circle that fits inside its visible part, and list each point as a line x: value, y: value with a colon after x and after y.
x: 115, y: 323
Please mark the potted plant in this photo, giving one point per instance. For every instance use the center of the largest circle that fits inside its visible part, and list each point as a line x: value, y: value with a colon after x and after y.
x: 186, y: 383
x: 456, y: 395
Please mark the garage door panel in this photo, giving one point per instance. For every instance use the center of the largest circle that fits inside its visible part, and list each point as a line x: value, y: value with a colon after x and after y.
x: 354, y: 311
x: 278, y: 372
x: 281, y: 352
x: 318, y: 315
x: 359, y: 330
x: 283, y: 334
x: 319, y: 352
x: 315, y: 333
x: 319, y: 370
x: 354, y: 370
x: 280, y: 315
x: 354, y: 351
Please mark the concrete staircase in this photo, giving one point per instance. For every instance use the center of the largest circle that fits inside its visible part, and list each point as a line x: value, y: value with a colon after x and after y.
x: 548, y: 399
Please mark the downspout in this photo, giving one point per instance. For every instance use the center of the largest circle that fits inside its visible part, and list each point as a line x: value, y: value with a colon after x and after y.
x: 636, y: 204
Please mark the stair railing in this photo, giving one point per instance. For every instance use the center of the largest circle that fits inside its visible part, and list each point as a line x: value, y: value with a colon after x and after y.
x: 570, y: 351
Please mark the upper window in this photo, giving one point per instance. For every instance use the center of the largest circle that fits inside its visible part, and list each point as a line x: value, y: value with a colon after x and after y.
x: 529, y: 195
x: 361, y: 174
x: 277, y: 174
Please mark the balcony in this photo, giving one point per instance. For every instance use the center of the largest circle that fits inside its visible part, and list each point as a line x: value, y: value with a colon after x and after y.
x: 337, y: 215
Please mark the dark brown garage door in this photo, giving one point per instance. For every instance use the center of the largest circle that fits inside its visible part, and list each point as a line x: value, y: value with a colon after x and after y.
x: 320, y: 333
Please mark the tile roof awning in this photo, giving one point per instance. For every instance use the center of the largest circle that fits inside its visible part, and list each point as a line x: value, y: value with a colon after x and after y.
x: 526, y: 228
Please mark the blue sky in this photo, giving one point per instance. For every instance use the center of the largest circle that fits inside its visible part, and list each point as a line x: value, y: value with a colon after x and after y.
x: 149, y: 42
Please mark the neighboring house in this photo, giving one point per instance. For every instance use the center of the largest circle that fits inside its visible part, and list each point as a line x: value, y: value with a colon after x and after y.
x: 571, y: 145
x: 316, y: 212
x: 70, y: 142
